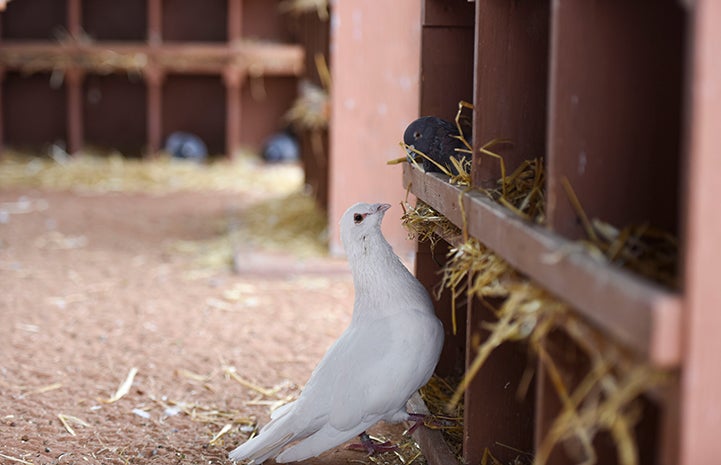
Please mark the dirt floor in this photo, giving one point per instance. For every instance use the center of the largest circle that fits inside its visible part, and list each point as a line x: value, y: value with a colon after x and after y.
x: 91, y: 289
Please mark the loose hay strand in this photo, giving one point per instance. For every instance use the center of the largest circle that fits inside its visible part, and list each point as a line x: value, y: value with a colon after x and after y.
x: 573, y: 198
x: 65, y: 420
x: 223, y: 431
x: 124, y: 387
x: 232, y: 373
x: 49, y: 387
x: 461, y: 105
x: 16, y: 459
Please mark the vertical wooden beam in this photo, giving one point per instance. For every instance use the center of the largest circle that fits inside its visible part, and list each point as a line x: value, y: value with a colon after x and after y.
x: 74, y: 83
x: 615, y: 112
x: 233, y: 79
x: 235, y: 20
x: 154, y: 78
x: 701, y: 377
x: 429, y: 262
x: 511, y: 78
x: 446, y: 50
x: 155, y: 22
x: 2, y: 112
x: 74, y: 101
x: 74, y: 18
x: 572, y: 364
x: 498, y: 410
x: 369, y: 109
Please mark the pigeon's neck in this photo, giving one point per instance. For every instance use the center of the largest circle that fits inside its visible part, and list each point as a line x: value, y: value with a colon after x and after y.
x: 379, y: 277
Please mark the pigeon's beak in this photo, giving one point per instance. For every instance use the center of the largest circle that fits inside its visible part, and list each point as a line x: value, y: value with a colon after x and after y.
x: 382, y: 207
x: 411, y: 154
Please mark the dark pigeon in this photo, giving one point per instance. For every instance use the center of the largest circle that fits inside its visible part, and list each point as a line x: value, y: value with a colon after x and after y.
x: 281, y: 148
x: 434, y: 138
x: 186, y: 146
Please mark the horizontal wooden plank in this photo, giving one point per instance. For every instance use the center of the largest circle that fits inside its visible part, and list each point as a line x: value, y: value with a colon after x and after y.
x: 254, y: 57
x: 632, y: 310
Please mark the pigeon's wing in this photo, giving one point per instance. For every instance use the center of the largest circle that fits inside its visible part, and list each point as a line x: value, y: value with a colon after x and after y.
x: 377, y: 367
x: 366, y: 376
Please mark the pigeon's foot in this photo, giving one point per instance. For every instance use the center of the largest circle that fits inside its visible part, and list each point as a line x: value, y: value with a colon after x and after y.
x: 372, y: 446
x: 430, y: 421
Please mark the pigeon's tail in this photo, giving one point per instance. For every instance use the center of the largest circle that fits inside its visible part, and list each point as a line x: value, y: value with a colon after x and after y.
x: 271, y: 440
x: 317, y: 443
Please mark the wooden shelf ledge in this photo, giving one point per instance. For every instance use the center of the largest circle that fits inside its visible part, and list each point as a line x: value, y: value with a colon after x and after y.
x: 637, y: 313
x: 253, y: 57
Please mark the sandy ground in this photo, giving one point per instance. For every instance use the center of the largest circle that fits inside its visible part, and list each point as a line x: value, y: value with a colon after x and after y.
x: 91, y: 287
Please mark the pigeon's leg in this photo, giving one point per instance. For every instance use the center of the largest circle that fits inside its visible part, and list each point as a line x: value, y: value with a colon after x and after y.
x: 372, y: 447
x: 431, y: 421
x: 418, y: 419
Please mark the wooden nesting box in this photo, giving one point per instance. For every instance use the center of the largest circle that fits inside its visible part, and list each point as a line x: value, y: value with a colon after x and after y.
x: 127, y: 74
x: 623, y: 100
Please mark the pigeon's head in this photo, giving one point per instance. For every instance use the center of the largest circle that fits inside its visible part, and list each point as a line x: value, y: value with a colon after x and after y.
x: 419, y: 133
x: 360, y: 221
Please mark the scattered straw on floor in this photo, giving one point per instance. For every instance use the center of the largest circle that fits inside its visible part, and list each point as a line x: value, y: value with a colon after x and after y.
x: 113, y: 173
x: 287, y: 220
x: 294, y: 224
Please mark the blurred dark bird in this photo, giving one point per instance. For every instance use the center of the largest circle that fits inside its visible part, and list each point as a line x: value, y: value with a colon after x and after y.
x: 281, y: 147
x: 186, y: 146
x: 437, y: 139
x: 388, y: 351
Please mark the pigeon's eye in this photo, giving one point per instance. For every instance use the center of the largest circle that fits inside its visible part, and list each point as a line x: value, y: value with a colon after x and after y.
x: 416, y: 135
x: 357, y: 218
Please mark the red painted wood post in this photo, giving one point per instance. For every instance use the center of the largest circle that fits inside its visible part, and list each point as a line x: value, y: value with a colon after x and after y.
x: 700, y: 376
x: 155, y: 22
x: 233, y: 79
x: 74, y: 83
x: 154, y: 78
x: 74, y: 95
x: 2, y: 113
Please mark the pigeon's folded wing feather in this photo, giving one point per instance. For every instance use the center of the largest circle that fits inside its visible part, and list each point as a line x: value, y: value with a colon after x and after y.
x: 386, y: 367
x: 319, y: 442
x: 376, y: 357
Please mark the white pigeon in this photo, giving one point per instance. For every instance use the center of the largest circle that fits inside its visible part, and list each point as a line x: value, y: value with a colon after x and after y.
x: 389, y: 350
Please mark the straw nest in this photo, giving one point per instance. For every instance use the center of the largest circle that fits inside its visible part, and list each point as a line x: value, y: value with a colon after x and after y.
x: 642, y: 248
x: 607, y: 397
